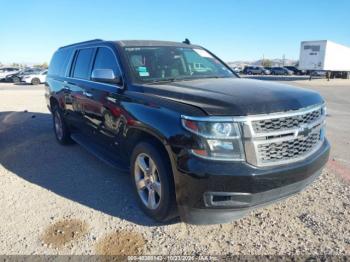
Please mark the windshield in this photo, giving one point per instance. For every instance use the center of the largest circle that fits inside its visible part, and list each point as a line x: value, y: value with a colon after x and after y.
x: 156, y: 64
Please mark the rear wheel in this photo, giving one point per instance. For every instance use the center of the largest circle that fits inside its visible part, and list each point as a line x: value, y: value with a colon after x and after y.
x: 35, y: 81
x: 153, y: 181
x: 60, y: 128
x: 16, y: 80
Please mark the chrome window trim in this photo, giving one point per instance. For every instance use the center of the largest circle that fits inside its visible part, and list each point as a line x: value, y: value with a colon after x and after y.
x: 100, y: 83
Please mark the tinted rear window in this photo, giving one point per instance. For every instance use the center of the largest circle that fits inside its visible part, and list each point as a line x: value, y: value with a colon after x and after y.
x: 59, y: 62
x: 82, y: 64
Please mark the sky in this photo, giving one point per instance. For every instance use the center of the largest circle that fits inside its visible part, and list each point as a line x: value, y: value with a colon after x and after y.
x: 30, y: 31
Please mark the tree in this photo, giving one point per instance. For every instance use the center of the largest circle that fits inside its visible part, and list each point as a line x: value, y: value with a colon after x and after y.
x: 266, y: 63
x: 43, y: 65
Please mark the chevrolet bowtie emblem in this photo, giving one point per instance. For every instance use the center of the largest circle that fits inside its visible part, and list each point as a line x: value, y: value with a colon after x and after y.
x: 304, y: 131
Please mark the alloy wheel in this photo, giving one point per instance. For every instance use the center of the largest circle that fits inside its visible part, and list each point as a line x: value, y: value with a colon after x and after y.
x: 147, y: 181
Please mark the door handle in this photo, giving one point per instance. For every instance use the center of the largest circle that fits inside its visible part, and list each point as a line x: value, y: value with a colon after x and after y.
x: 87, y: 94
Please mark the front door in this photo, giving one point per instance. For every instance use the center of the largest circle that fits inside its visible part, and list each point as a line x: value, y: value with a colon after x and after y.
x: 101, y: 105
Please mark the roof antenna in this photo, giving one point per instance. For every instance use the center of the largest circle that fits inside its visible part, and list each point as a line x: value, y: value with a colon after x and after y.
x: 187, y: 42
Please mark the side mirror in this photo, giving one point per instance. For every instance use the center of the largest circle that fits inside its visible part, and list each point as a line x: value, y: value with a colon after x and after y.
x: 105, y: 76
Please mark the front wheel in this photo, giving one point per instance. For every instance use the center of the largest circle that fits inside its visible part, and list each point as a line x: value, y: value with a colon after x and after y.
x: 153, y: 181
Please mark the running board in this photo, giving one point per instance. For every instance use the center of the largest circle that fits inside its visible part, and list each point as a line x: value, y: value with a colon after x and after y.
x: 99, y: 152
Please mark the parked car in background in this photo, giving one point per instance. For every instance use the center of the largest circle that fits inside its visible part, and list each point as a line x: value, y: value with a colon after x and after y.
x: 318, y: 73
x: 16, y: 77
x: 5, y: 71
x: 280, y: 71
x: 237, y: 69
x: 35, y: 79
x: 198, y: 142
x: 255, y: 70
x: 296, y: 71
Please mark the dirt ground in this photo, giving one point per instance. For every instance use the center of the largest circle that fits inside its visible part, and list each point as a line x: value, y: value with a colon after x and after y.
x: 62, y: 200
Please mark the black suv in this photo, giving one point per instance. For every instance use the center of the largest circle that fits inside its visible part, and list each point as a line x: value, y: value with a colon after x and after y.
x: 198, y: 141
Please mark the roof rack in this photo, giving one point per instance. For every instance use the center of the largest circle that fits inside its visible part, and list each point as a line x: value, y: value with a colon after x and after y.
x: 84, y: 42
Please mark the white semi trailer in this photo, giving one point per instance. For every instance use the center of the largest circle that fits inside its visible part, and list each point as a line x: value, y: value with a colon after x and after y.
x: 324, y: 55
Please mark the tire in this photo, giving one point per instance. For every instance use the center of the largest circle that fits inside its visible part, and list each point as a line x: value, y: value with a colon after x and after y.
x: 16, y: 80
x: 160, y: 182
x: 60, y: 127
x: 35, y: 81
x: 250, y: 73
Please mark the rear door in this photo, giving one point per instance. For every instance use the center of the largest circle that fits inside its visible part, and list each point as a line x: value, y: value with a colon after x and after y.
x: 75, y: 86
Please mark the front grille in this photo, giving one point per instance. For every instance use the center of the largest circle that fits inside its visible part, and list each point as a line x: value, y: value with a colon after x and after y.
x: 283, y: 138
x: 287, y: 150
x: 284, y: 123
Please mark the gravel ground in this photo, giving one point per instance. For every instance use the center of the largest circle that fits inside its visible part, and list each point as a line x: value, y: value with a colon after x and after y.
x: 61, y: 200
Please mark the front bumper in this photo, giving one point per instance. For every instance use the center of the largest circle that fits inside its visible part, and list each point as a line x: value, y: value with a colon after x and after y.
x: 210, y: 192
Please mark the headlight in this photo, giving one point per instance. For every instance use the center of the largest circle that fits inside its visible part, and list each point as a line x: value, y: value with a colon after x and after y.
x: 221, y: 140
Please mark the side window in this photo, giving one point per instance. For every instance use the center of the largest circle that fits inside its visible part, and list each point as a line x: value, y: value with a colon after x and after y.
x: 82, y: 64
x: 105, y: 59
x: 59, y: 62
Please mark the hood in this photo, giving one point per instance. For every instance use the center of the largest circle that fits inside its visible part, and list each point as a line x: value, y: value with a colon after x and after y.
x: 236, y: 96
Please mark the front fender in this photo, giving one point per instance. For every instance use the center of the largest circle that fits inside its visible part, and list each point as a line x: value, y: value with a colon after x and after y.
x: 160, y: 122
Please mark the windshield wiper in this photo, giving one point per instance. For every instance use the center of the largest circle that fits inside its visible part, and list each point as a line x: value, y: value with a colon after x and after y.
x: 215, y: 76
x: 174, y: 79
x: 161, y: 81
